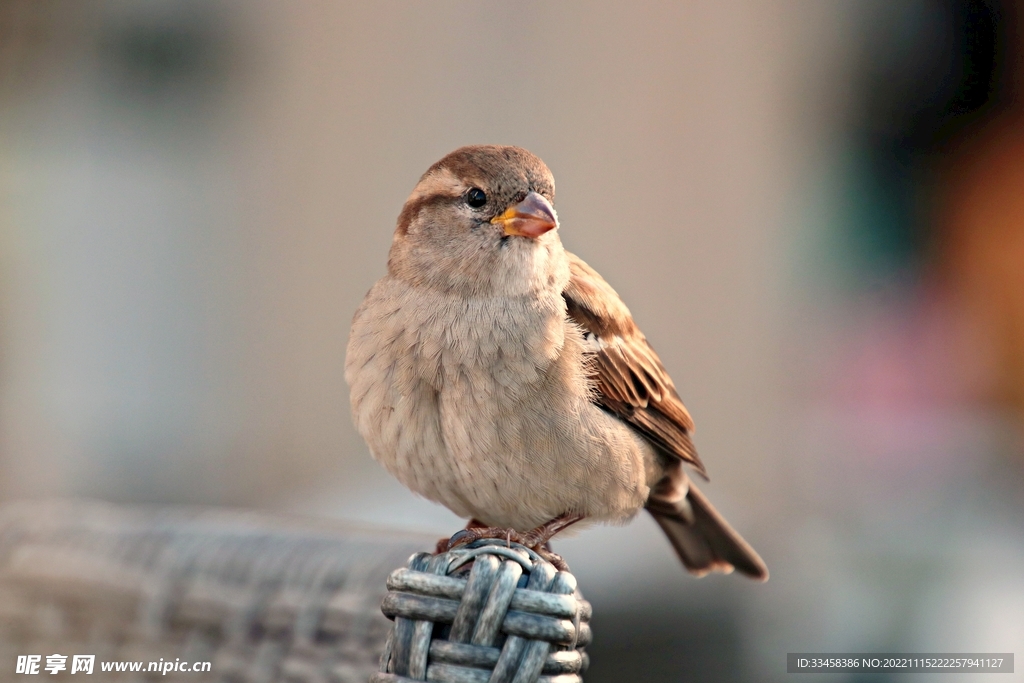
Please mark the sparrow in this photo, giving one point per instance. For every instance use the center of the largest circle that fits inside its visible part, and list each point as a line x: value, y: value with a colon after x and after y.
x: 496, y: 373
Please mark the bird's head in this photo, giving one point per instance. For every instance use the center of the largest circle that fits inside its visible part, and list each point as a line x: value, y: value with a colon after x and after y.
x: 480, y: 222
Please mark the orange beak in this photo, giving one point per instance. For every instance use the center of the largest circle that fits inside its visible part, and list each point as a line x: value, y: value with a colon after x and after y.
x: 531, y: 217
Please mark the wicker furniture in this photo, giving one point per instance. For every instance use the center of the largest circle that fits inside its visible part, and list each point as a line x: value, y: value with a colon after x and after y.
x: 261, y: 597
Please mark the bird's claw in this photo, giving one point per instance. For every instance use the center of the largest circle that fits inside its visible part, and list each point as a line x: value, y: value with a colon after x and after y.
x: 532, y: 540
x: 553, y: 558
x: 536, y: 540
x: 477, y: 533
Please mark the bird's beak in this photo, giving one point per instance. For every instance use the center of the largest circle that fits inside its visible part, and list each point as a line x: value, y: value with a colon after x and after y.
x: 531, y: 217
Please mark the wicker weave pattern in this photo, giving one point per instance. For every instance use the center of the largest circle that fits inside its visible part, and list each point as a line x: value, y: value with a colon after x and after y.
x: 261, y: 597
x: 513, y: 619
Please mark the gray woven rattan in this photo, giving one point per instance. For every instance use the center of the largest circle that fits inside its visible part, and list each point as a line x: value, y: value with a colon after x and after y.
x: 261, y: 597
x: 487, y: 612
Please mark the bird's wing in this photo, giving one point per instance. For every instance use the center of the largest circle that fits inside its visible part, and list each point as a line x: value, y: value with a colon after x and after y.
x: 631, y: 381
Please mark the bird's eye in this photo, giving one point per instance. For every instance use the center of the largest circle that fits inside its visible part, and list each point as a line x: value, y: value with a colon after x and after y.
x: 476, y: 197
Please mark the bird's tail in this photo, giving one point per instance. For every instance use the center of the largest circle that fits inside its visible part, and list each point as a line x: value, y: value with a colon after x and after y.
x: 701, y: 537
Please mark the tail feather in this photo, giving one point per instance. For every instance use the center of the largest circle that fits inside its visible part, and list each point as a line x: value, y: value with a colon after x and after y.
x: 704, y: 541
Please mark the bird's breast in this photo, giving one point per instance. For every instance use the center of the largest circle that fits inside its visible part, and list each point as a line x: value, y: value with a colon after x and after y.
x: 483, y: 405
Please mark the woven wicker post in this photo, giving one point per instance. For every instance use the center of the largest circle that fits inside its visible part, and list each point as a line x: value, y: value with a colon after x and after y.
x: 486, y: 612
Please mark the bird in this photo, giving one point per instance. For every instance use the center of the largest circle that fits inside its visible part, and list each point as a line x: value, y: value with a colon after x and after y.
x: 496, y: 373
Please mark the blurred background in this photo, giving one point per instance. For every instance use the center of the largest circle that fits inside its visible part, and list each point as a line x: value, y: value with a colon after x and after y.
x: 815, y: 211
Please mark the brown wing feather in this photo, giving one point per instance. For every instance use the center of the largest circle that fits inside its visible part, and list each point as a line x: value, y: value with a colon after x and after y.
x: 631, y: 381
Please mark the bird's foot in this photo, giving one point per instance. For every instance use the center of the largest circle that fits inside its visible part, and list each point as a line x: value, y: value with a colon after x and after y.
x: 540, y: 537
x: 475, y: 533
x: 536, y: 540
x: 554, y: 558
